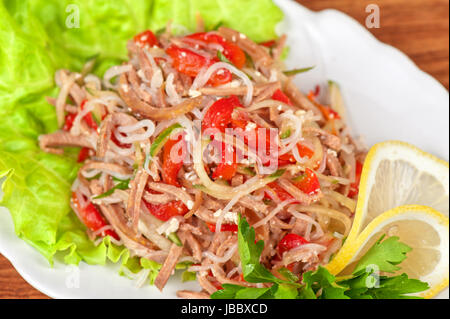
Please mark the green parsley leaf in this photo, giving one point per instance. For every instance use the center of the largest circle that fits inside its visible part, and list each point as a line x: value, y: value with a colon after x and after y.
x: 385, y: 255
x: 286, y: 291
x: 288, y: 275
x: 366, y: 286
x: 321, y: 284
x: 250, y: 253
x: 251, y: 293
x: 223, y: 58
x: 298, y: 71
x: 322, y: 280
x: 123, y: 185
x: 285, y: 134
x: 228, y: 292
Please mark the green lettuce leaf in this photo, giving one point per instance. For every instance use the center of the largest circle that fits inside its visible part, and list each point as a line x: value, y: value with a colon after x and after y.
x: 257, y: 19
x: 35, y: 41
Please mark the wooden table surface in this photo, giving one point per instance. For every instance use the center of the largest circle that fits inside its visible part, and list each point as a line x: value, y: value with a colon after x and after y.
x: 420, y: 28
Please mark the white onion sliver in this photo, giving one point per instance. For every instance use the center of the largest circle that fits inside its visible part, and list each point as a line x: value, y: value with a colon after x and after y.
x: 102, y: 230
x: 197, y: 113
x: 112, y: 73
x: 203, y: 78
x: 121, y: 151
x: 298, y: 158
x: 226, y: 209
x: 148, y: 124
x: 220, y: 260
x: 292, y: 141
x: 308, y: 219
x: 172, y: 95
x: 323, y: 163
x: 91, y: 173
x: 274, y: 212
x: 199, y: 268
x: 142, y: 277
x: 91, y: 78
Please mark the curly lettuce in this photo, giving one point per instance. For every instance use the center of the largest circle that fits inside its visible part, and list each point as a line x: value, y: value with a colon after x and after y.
x: 35, y: 41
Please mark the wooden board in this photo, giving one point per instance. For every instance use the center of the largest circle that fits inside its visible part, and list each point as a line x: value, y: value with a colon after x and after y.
x: 417, y: 27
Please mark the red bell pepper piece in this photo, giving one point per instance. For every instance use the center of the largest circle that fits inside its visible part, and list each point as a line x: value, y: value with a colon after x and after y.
x: 91, y: 217
x: 146, y: 38
x: 172, y: 162
x: 88, y: 118
x: 227, y: 169
x: 83, y: 155
x: 251, y: 138
x: 219, y: 116
x: 354, y: 187
x: 117, y: 142
x: 230, y: 50
x: 288, y: 158
x: 224, y: 227
x: 268, y: 44
x: 279, y: 191
x: 280, y: 96
x: 308, y: 182
x: 70, y: 118
x: 190, y: 63
x: 290, y: 241
x: 165, y: 212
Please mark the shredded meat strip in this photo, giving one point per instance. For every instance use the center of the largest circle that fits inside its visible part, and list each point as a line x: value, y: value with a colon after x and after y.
x: 68, y: 107
x: 205, y: 283
x: 241, y: 90
x: 268, y: 91
x: 107, y: 127
x: 169, y: 264
x: 136, y: 84
x: 330, y: 140
x: 138, y: 245
x: 256, y: 52
x: 145, y: 64
x: 106, y: 167
x: 52, y: 143
x: 172, y: 190
x: 299, y: 98
x: 128, y: 94
x: 195, y: 246
x: 187, y: 294
x: 304, y: 198
x: 278, y: 50
x: 334, y: 165
x: 206, y: 215
x: 158, y: 198
x: 137, y: 186
x: 252, y: 204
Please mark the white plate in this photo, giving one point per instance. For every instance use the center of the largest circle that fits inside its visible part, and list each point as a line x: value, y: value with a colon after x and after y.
x: 387, y: 96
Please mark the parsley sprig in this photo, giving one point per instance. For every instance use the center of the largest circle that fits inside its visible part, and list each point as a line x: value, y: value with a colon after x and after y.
x: 364, y: 283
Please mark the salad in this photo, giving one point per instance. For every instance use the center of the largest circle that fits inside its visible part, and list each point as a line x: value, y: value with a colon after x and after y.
x: 194, y: 132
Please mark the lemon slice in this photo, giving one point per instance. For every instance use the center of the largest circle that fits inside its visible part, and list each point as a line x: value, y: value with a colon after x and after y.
x: 423, y: 229
x: 395, y: 174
